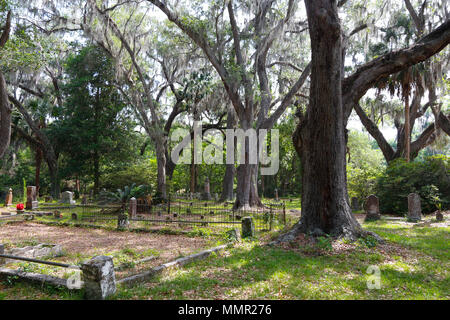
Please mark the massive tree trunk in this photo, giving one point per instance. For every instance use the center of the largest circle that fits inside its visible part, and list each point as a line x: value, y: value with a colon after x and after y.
x: 320, y: 136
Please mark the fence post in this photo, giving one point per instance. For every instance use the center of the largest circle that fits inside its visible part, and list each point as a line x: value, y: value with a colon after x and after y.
x: 133, y: 208
x: 2, y: 251
x: 99, y: 278
x: 248, y: 227
x: 168, y: 206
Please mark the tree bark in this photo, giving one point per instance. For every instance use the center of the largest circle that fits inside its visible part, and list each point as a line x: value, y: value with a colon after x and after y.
x: 320, y: 136
x: 5, y: 117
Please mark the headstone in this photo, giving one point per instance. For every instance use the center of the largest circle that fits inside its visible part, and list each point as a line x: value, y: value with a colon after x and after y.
x: 355, y: 204
x: 67, y: 197
x: 276, y: 195
x: 32, y: 202
x: 233, y: 235
x: 248, y: 227
x: 216, y: 197
x: 74, y: 216
x: 439, y: 216
x: 372, y: 208
x: 414, y: 208
x: 207, y: 193
x: 122, y: 221
x: 9, y: 198
x: 99, y: 278
x: 133, y: 208
x: 48, y: 199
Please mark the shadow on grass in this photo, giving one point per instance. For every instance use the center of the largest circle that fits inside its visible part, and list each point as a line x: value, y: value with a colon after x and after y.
x: 255, y: 272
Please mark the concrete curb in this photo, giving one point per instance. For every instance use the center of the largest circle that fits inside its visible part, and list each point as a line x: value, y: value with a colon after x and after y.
x: 33, y: 277
x: 176, y: 263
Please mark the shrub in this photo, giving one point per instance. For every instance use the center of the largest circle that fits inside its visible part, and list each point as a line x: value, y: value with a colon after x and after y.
x: 429, y: 178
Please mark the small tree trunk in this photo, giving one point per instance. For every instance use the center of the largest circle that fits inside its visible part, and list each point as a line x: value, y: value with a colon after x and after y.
x: 38, y: 169
x: 5, y: 117
x: 228, y: 183
x: 407, y: 128
x: 96, y: 173
x: 161, y: 163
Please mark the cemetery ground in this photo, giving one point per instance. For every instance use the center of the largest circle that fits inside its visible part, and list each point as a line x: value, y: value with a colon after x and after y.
x: 414, y: 262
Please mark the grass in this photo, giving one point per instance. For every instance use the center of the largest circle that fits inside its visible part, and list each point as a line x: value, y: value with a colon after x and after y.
x: 413, y: 264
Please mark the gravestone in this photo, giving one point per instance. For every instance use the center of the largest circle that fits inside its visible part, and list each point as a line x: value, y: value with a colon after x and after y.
x: 99, y: 278
x: 372, y: 208
x: 9, y: 198
x: 414, y: 208
x: 32, y: 202
x: 207, y: 193
x: 216, y: 197
x: 248, y: 227
x: 276, y: 195
x: 133, y: 208
x: 355, y: 204
x: 67, y: 197
x: 439, y: 216
x: 48, y: 199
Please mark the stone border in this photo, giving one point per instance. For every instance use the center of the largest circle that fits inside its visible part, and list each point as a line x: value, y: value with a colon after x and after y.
x: 34, y: 277
x: 166, y: 266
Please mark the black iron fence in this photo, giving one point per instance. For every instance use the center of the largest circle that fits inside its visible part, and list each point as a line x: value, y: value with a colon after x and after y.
x: 177, y: 212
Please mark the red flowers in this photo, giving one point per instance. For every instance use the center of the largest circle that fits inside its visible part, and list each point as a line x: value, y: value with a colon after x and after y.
x: 20, y: 206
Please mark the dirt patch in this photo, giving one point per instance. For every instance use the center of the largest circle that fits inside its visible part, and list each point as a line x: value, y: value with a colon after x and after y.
x: 90, y: 242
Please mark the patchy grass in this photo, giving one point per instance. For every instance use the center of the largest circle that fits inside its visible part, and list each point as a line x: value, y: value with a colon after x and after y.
x: 413, y: 264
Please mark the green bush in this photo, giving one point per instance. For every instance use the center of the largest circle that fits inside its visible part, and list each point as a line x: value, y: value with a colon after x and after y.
x: 429, y: 178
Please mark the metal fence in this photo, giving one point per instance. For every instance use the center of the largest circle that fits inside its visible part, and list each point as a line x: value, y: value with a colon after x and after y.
x: 178, y: 212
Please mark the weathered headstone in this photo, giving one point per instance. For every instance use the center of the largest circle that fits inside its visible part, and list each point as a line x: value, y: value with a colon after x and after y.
x: 355, y: 204
x: 439, y: 216
x: 99, y: 278
x: 248, y: 227
x: 32, y: 202
x: 133, y: 208
x: 67, y: 197
x: 216, y: 197
x: 122, y: 221
x: 207, y: 193
x: 414, y: 207
x: 48, y: 199
x: 233, y: 234
x: 9, y: 198
x: 74, y: 216
x: 372, y: 208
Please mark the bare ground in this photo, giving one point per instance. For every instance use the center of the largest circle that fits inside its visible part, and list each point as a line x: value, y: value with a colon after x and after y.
x: 83, y: 242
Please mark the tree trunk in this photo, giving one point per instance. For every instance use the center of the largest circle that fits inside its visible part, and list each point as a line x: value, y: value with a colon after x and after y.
x: 230, y: 170
x: 5, y: 117
x: 38, y: 170
x: 96, y: 173
x: 320, y: 136
x: 161, y: 163
x: 228, y: 183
